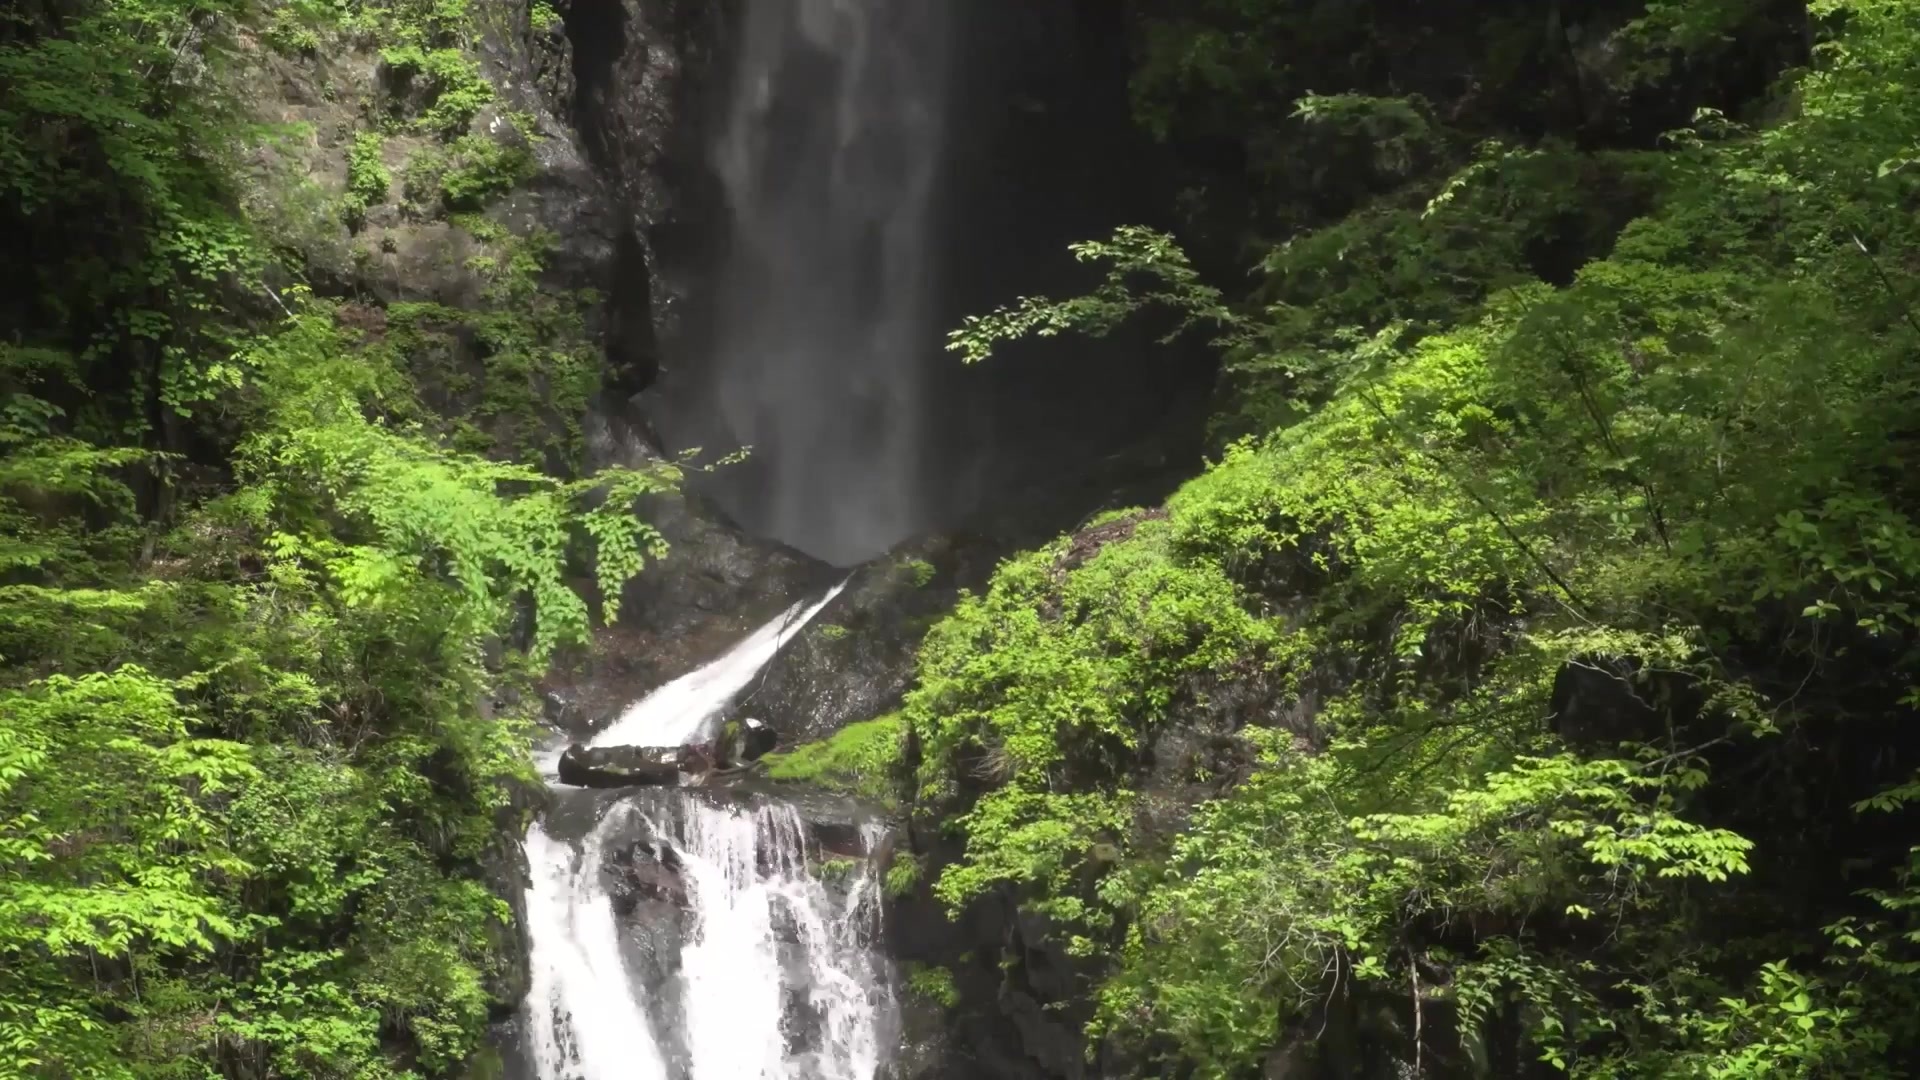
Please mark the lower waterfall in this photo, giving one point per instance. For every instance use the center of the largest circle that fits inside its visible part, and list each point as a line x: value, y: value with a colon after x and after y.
x: 735, y: 958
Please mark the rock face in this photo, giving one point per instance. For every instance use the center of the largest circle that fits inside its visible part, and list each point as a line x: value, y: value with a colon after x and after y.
x: 1019, y: 1007
x: 855, y: 660
x: 716, y: 586
x: 645, y: 75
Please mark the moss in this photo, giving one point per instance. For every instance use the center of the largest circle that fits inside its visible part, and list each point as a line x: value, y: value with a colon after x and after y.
x: 832, y: 631
x: 860, y: 759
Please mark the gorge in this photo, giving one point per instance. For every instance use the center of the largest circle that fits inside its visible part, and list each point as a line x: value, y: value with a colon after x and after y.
x: 748, y: 963
x: 1004, y: 540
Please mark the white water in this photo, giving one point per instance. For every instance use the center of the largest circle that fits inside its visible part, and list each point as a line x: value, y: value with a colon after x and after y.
x: 750, y: 890
x: 673, y: 714
x: 762, y: 930
x: 584, y: 1025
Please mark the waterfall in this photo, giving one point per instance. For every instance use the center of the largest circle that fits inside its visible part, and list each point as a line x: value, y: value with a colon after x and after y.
x: 584, y: 1025
x: 827, y: 160
x: 746, y: 965
x: 673, y: 714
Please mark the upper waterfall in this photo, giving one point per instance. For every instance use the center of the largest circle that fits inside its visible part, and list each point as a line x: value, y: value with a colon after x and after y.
x: 827, y: 159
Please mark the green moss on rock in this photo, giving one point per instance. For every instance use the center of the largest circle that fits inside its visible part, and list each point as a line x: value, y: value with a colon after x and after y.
x: 861, y: 759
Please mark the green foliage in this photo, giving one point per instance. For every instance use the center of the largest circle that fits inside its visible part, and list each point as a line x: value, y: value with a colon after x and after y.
x: 420, y: 181
x: 835, y: 869
x: 368, y: 180
x: 918, y: 572
x: 464, y: 175
x: 423, y: 43
x: 1283, y: 883
x: 480, y: 169
x: 455, y: 90
x: 1058, y: 677
x: 935, y: 984
x: 263, y: 635
x: 272, y: 771
x: 1459, y: 495
x: 1133, y: 254
x: 904, y: 875
x: 521, y: 361
x: 860, y: 759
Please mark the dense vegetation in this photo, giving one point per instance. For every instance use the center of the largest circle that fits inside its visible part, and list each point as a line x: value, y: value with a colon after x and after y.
x: 1536, y: 665
x: 261, y: 623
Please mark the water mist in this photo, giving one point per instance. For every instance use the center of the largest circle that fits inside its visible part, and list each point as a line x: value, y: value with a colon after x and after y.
x: 827, y: 160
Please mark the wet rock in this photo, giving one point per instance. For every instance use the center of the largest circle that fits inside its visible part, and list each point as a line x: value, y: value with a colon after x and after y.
x: 644, y: 869
x: 504, y: 868
x: 1021, y: 1006
x: 838, y: 826
x: 855, y: 660
x: 802, y: 1023
x: 643, y: 75
x: 925, y: 1051
x: 625, y: 766
x: 745, y: 741
x: 716, y: 586
x: 558, y: 710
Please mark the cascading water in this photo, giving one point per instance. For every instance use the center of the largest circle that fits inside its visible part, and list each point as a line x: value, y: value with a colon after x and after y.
x: 679, y: 934
x: 827, y: 160
x: 746, y: 965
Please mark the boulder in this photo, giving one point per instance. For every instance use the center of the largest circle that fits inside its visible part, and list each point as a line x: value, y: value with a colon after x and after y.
x: 646, y: 869
x: 744, y: 741
x: 625, y: 766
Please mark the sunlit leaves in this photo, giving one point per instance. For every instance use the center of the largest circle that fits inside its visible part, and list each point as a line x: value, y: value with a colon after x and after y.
x: 1689, y: 458
x: 263, y: 637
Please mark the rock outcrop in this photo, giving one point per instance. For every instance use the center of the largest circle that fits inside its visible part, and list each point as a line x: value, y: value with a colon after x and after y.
x: 855, y: 660
x: 716, y: 586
